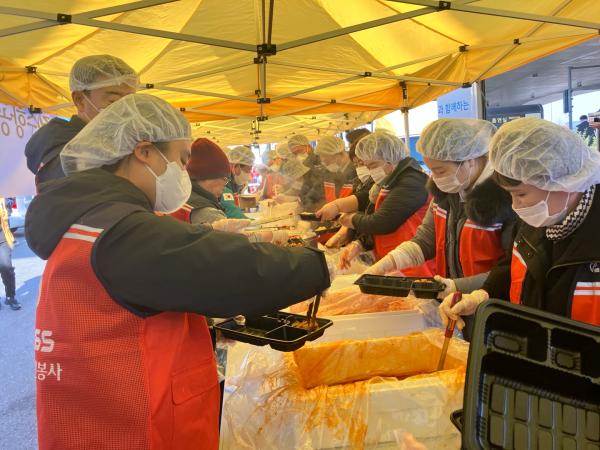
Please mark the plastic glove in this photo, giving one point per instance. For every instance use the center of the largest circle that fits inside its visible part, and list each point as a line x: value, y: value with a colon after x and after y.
x: 346, y: 220
x: 338, y: 239
x: 231, y: 225
x: 349, y: 252
x: 406, y: 441
x: 466, y: 307
x: 328, y: 212
x: 448, y: 283
x: 381, y: 267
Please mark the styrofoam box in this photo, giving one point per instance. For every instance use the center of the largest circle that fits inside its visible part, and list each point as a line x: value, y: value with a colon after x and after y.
x: 420, y: 401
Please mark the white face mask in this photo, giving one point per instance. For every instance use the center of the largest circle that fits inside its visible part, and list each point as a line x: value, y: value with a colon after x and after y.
x: 173, y: 187
x: 451, y: 184
x: 539, y: 216
x: 363, y: 174
x: 333, y: 167
x: 378, y: 175
x: 98, y: 110
x: 302, y: 157
x: 242, y: 179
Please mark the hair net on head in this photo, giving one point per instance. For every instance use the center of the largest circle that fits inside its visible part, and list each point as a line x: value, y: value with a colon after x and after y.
x: 267, y: 156
x: 329, y: 145
x: 297, y: 139
x: 240, y: 155
x: 293, y: 169
x: 97, y: 71
x: 283, y: 151
x: 114, y: 133
x: 545, y: 155
x: 382, y: 145
x: 455, y: 139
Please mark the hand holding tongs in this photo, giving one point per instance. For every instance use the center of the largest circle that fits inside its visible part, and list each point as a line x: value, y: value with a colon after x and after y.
x: 449, y: 332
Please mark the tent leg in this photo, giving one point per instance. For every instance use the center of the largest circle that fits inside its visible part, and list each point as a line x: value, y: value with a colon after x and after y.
x: 406, y: 128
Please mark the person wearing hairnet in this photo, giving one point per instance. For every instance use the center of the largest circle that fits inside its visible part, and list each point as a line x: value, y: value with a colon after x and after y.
x: 361, y: 185
x: 340, y: 171
x: 396, y: 203
x: 468, y: 227
x: 241, y: 160
x: 294, y: 172
x: 552, y: 177
x: 95, y: 81
x: 312, y: 194
x: 272, y: 180
x: 120, y: 325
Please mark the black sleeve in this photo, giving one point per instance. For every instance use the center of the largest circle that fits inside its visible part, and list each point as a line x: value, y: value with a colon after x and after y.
x: 159, y: 264
x: 403, y: 201
x: 497, y: 284
x: 363, y: 198
x: 312, y: 194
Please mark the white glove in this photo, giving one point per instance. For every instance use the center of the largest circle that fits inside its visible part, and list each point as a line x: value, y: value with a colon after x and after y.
x: 408, y: 254
x: 328, y: 212
x: 231, y: 225
x: 450, y: 286
x: 349, y: 252
x: 381, y: 267
x: 338, y: 239
x: 466, y: 307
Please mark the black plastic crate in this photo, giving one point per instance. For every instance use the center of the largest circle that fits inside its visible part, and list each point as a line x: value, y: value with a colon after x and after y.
x: 282, y: 331
x: 533, y: 381
x: 422, y: 287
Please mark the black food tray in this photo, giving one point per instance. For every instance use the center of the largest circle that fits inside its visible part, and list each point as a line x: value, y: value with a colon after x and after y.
x: 276, y: 330
x: 327, y: 228
x: 533, y: 381
x: 399, y: 286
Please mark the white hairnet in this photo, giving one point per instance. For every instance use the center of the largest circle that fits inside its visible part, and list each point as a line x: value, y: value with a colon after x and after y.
x: 240, y: 155
x: 97, y: 71
x: 283, y: 151
x: 293, y: 169
x: 329, y: 145
x: 114, y: 133
x: 455, y: 139
x: 545, y: 155
x: 267, y: 156
x: 382, y: 145
x: 297, y: 139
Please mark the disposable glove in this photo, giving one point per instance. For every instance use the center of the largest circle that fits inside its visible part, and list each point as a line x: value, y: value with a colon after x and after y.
x: 328, y: 212
x: 450, y: 286
x: 466, y: 307
x: 346, y: 220
x: 381, y: 267
x: 338, y: 239
x: 349, y: 252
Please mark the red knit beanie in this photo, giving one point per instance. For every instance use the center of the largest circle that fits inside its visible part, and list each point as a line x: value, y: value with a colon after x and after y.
x: 208, y: 161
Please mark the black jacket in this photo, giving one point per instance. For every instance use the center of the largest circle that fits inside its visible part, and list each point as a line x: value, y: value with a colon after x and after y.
x: 553, y: 268
x: 151, y: 264
x: 407, y: 194
x: 44, y: 147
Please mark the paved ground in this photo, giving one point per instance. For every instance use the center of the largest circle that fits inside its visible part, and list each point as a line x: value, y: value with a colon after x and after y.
x: 17, y: 382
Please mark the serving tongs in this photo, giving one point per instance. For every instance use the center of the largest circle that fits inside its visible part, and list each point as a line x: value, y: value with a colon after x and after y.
x: 311, y: 314
x: 449, y: 332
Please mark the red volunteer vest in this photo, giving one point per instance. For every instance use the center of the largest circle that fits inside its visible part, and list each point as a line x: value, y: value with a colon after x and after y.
x: 331, y: 194
x: 109, y: 379
x: 585, y: 301
x: 184, y: 213
x: 385, y: 243
x: 479, y: 249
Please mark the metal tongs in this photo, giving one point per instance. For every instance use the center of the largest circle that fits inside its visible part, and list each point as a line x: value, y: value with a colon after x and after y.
x: 449, y: 332
x: 311, y: 314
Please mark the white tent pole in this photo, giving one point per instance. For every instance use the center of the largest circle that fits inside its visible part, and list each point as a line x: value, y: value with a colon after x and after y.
x: 354, y: 28
x: 204, y: 93
x: 406, y: 127
x: 455, y: 6
x: 317, y: 88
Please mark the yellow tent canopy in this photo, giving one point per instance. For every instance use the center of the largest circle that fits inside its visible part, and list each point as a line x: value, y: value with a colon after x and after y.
x: 245, y: 69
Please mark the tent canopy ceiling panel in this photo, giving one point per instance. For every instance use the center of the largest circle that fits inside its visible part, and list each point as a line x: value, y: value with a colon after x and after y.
x: 243, y: 62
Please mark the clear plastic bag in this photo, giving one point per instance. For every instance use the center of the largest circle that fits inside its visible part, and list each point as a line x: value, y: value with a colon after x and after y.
x: 269, y: 407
